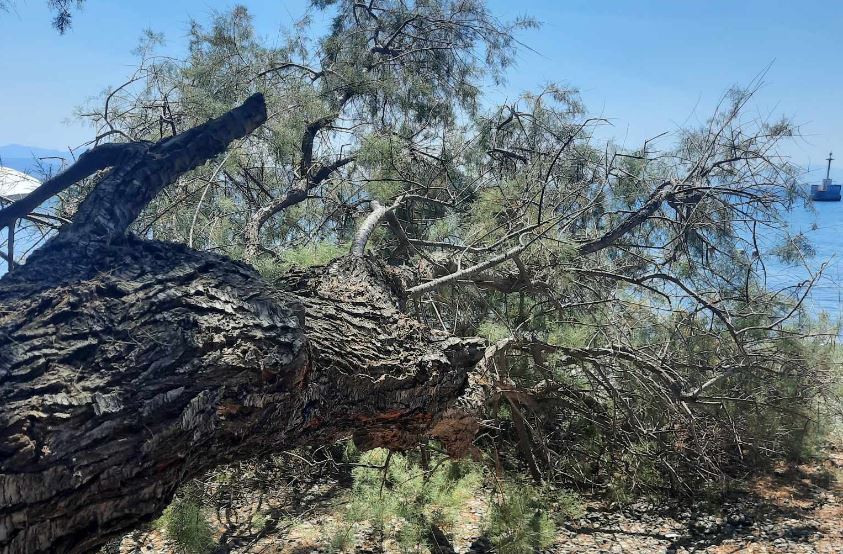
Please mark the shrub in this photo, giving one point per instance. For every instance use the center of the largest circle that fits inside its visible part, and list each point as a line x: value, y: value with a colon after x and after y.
x: 403, y: 501
x: 519, y: 521
x: 568, y: 504
x: 339, y: 537
x: 185, y: 524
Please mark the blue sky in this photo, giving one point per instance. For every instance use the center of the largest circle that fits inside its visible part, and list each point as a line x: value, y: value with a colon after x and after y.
x: 648, y: 65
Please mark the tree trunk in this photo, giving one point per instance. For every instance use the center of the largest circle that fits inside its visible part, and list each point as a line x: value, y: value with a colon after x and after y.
x: 129, y: 366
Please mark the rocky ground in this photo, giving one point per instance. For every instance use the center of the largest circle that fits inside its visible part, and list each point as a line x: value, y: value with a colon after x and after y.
x: 797, y: 509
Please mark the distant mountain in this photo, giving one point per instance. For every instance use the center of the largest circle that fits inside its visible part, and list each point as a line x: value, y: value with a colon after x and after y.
x: 22, y: 151
x: 36, y: 161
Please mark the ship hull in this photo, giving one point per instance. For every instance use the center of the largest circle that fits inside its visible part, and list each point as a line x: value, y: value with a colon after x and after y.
x: 831, y: 193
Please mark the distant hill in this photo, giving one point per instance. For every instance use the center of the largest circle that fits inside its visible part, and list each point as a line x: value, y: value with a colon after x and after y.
x: 36, y: 161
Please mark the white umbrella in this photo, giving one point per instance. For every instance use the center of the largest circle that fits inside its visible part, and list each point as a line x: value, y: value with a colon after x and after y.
x: 14, y: 185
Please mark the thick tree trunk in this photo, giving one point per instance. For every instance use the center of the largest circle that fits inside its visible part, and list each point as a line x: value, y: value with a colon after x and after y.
x: 129, y: 366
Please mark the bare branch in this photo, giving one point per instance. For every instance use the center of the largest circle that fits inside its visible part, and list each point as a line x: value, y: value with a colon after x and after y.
x: 358, y: 247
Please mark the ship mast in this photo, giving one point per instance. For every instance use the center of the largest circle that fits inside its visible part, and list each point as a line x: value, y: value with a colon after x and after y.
x: 825, y: 191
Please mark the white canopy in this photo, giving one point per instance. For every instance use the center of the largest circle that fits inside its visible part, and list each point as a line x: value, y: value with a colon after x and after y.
x: 14, y: 185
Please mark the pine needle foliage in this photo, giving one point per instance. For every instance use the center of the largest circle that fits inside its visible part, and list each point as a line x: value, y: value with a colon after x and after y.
x: 519, y: 520
x: 402, y: 501
x: 184, y: 522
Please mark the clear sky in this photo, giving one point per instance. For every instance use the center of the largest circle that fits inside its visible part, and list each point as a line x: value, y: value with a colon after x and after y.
x: 647, y: 65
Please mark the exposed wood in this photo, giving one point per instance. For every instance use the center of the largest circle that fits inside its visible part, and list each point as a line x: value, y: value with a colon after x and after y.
x: 418, y: 290
x: 10, y: 246
x: 361, y: 238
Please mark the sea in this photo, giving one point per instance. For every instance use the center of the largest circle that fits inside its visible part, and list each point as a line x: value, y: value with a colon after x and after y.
x: 822, y: 224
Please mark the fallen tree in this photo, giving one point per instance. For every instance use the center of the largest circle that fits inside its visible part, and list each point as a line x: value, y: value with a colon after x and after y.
x: 128, y: 366
x: 638, y: 346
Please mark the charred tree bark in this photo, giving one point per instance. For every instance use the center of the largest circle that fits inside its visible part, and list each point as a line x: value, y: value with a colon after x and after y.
x: 129, y: 366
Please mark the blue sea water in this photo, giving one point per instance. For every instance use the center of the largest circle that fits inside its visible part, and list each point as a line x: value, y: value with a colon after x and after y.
x: 822, y: 224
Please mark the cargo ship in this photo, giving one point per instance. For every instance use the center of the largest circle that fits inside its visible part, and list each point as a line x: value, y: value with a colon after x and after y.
x: 826, y: 192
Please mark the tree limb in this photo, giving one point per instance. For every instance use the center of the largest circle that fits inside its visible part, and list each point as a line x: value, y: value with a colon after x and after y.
x: 662, y: 193
x: 96, y: 159
x: 358, y: 246
x: 120, y: 197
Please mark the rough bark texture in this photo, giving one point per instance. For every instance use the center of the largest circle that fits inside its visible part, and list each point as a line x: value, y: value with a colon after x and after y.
x: 129, y: 366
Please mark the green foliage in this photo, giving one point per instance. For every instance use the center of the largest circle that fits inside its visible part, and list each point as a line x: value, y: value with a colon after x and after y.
x: 572, y: 336
x: 795, y: 249
x: 319, y: 253
x: 636, y: 473
x: 401, y: 500
x: 184, y: 522
x: 567, y: 504
x: 519, y: 520
x: 259, y: 520
x: 384, y: 191
x: 443, y: 229
x: 338, y: 536
x: 493, y: 331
